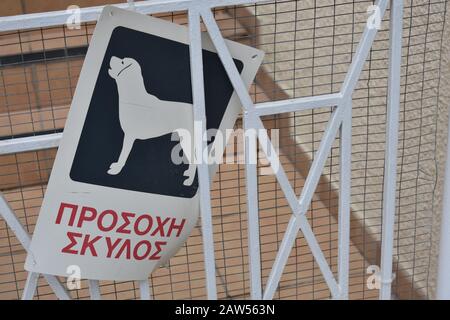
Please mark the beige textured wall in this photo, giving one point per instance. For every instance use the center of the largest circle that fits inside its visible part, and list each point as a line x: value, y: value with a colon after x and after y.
x: 443, y: 114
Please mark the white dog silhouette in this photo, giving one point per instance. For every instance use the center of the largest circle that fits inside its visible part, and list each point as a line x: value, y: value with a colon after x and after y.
x: 144, y: 116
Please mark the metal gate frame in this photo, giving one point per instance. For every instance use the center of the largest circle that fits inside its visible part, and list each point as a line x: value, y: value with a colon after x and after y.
x: 340, y: 120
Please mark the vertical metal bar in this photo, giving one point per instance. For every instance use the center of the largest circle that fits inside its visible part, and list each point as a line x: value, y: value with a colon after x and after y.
x: 252, y: 205
x: 443, y: 278
x: 390, y: 167
x: 198, y: 93
x: 145, y: 290
x: 94, y: 290
x: 345, y: 164
x: 30, y: 286
x: 250, y: 153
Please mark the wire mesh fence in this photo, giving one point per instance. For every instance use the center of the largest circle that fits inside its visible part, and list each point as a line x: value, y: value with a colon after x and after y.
x: 309, y: 46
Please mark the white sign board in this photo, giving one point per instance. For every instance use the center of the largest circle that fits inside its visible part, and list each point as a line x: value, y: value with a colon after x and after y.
x: 116, y: 204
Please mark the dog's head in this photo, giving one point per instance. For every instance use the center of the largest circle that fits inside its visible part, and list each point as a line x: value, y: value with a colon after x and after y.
x: 119, y: 68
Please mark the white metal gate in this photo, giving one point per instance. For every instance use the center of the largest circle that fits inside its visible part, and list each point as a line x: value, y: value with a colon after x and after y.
x: 340, y: 121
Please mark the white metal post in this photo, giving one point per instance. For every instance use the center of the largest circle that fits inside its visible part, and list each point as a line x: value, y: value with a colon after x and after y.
x: 390, y: 167
x: 443, y: 279
x: 250, y: 152
x: 30, y: 286
x: 145, y: 290
x: 94, y: 290
x: 345, y: 163
x: 251, y: 183
x: 198, y: 93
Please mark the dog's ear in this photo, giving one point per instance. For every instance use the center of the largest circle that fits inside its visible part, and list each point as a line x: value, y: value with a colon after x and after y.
x: 112, y: 74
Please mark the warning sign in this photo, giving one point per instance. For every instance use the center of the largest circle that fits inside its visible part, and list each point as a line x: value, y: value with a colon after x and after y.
x: 117, y: 205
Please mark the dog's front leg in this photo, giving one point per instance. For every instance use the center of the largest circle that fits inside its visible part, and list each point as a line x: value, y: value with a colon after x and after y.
x: 116, y: 167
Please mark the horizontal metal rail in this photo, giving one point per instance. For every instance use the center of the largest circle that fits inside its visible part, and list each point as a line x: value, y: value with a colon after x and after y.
x: 300, y: 104
x: 56, y: 18
x: 32, y: 143
x: 47, y: 141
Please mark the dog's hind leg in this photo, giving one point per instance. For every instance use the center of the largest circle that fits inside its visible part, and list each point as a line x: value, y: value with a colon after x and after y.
x: 189, y: 174
x: 116, y: 167
x: 188, y: 149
